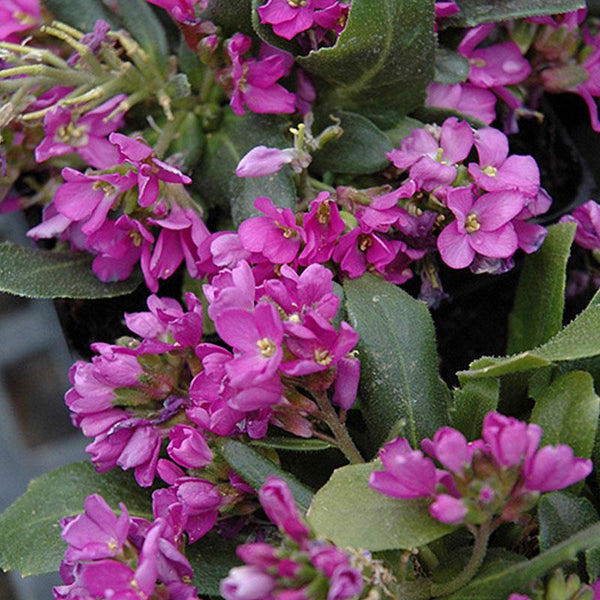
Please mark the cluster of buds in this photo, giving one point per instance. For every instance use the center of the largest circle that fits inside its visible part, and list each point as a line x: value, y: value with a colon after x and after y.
x: 559, y: 587
x: 500, y: 475
x: 123, y: 558
x: 301, y: 566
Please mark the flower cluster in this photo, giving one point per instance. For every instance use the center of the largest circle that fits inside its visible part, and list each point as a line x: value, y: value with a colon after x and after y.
x: 587, y: 219
x: 501, y: 474
x: 301, y: 567
x: 134, y: 210
x: 123, y: 558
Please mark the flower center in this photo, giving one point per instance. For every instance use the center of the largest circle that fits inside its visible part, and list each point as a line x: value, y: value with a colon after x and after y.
x: 364, y: 242
x: 72, y: 135
x: 288, y: 233
x: 23, y: 18
x: 267, y: 347
x: 491, y: 171
x: 323, y: 213
x: 297, y: 3
x: 472, y: 223
x: 106, y: 187
x: 136, y: 237
x: 243, y: 79
x: 323, y: 357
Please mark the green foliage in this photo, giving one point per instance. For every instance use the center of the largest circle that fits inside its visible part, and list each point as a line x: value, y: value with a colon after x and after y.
x: 224, y: 149
x: 568, y: 413
x: 473, y: 12
x: 29, y: 529
x: 400, y: 387
x: 360, y: 150
x: 81, y: 14
x: 293, y: 444
x: 470, y: 405
x: 41, y: 274
x: 231, y: 16
x: 349, y: 513
x: 363, y: 69
x: 560, y: 515
x: 255, y: 468
x: 450, y: 66
x: 139, y: 19
x: 540, y: 300
x: 498, y: 582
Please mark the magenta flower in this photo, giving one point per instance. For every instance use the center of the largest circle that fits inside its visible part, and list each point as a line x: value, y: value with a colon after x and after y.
x: 181, y: 10
x: 188, y: 447
x: 261, y: 161
x: 497, y: 171
x: 255, y: 81
x: 554, y: 468
x: 587, y: 218
x: 407, y: 474
x: 510, y: 441
x: 450, y: 448
x: 276, y: 235
x: 464, y: 98
x: 445, y: 9
x: 291, y: 17
x: 433, y: 153
x: 247, y: 583
x: 149, y: 169
x: 89, y: 198
x: 481, y: 226
x: 258, y: 336
x: 85, y: 135
x: 448, y: 509
x: 17, y: 16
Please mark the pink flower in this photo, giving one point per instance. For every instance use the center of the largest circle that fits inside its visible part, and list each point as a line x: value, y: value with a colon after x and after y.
x: 17, y: 16
x: 255, y: 81
x: 450, y: 448
x: 180, y: 10
x: 587, y: 218
x: 554, y: 468
x: 261, y: 161
x: 247, y: 583
x: 85, y: 135
x: 276, y: 235
x: 448, y: 509
x: 510, y: 441
x: 481, y: 226
x: 464, y: 98
x: 445, y: 9
x: 188, y: 447
x: 407, y: 474
x: 291, y: 17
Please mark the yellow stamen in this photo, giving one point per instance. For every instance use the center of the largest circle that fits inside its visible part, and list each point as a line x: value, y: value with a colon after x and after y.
x: 364, y: 242
x: 472, y: 223
x: 323, y: 357
x: 297, y: 3
x: 491, y: 171
x: 267, y: 347
x: 107, y: 188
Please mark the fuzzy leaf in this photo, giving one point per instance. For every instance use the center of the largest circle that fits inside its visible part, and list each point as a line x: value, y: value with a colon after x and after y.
x: 361, y: 149
x: 139, y: 19
x: 293, y: 444
x: 363, y: 69
x: 450, y: 67
x: 560, y: 515
x: 81, y: 14
x: 471, y: 403
x: 568, y: 413
x: 473, y: 12
x: 224, y: 149
x: 399, y: 380
x: 349, y: 513
x: 41, y: 274
x: 540, y: 300
x: 211, y: 558
x: 232, y: 16
x: 254, y: 467
x: 498, y: 584
x: 30, y: 539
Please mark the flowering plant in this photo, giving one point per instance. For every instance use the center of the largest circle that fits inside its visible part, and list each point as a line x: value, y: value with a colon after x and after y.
x: 322, y: 215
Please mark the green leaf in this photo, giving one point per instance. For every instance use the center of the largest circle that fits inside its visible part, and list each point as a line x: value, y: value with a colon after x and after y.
x: 81, y: 14
x: 383, y: 60
x: 349, y: 513
x: 579, y: 339
x: 254, y: 468
x: 29, y: 528
x: 41, y: 274
x: 450, y: 66
x: 473, y: 12
x: 560, y: 515
x: 292, y: 444
x: 399, y: 380
x: 471, y: 404
x: 402, y: 129
x: 266, y: 33
x: 211, y: 558
x: 231, y: 15
x: 360, y: 150
x: 500, y: 583
x: 540, y: 299
x: 224, y: 148
x: 568, y: 413
x: 139, y: 19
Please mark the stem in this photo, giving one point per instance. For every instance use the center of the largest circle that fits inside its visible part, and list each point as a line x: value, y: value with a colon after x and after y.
x: 320, y: 185
x: 168, y: 133
x: 482, y: 537
x: 208, y: 82
x: 342, y: 437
